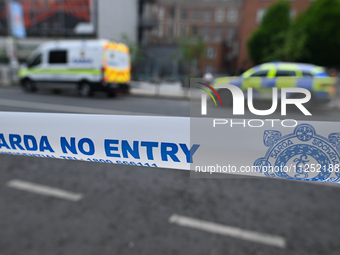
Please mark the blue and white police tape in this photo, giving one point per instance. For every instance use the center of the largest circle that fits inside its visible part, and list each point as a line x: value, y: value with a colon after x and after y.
x: 303, y: 151
x: 289, y: 149
x: 145, y: 141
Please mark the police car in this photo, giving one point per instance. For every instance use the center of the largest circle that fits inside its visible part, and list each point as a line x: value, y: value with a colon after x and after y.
x: 262, y: 78
x: 86, y: 65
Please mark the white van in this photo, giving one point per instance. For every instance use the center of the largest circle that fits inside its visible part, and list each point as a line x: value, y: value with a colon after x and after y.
x: 86, y: 65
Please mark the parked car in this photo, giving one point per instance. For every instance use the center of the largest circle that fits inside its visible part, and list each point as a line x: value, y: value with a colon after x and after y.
x: 266, y: 76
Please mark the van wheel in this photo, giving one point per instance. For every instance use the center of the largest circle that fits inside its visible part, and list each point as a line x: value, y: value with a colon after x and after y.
x: 85, y: 90
x: 28, y: 86
x: 111, y: 94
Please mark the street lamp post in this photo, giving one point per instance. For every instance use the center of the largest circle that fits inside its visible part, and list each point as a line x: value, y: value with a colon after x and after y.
x: 10, y: 44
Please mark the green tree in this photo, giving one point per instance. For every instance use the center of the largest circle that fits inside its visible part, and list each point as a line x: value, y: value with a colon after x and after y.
x: 293, y: 48
x: 314, y: 37
x: 192, y: 50
x: 271, y: 35
x: 320, y: 26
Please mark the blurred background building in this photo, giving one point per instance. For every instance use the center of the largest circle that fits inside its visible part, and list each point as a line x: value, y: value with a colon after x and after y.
x: 216, y: 21
x: 155, y: 27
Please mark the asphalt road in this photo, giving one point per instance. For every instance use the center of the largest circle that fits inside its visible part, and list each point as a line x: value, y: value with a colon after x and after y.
x: 135, y: 210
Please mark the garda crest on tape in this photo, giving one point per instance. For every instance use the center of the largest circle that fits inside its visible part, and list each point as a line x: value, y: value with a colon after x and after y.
x: 301, y: 155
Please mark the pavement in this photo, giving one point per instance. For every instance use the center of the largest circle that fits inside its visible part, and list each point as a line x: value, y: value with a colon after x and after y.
x: 164, y: 89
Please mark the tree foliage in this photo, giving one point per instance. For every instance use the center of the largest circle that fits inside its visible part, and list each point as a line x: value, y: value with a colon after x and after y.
x: 270, y: 36
x: 192, y: 50
x: 313, y: 37
x: 320, y: 24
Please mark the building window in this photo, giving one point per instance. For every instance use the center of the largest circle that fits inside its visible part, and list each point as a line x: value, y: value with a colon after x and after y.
x: 210, y: 52
x: 230, y: 34
x: 161, y: 13
x: 171, y: 13
x: 32, y: 14
x: 232, y: 15
x: 206, y: 33
x: 155, y: 9
x: 196, y: 14
x: 183, y: 30
x: 170, y: 30
x: 218, y: 33
x: 207, y: 15
x: 147, y: 11
x: 219, y: 15
x: 194, y: 30
x: 259, y: 15
x: 160, y: 31
x: 154, y: 31
x: 184, y: 14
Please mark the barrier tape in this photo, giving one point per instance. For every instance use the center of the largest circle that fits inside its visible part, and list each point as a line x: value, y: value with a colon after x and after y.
x: 134, y: 140
x: 300, y: 151
x: 289, y: 149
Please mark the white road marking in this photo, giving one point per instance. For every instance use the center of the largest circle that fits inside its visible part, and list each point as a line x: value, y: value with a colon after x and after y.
x: 64, y: 108
x: 44, y: 190
x: 215, y: 228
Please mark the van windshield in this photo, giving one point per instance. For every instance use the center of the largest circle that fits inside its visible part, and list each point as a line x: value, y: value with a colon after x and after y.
x: 32, y: 56
x: 117, y: 59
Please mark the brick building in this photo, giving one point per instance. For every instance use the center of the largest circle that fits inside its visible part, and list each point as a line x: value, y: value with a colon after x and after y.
x: 253, y: 11
x: 216, y: 21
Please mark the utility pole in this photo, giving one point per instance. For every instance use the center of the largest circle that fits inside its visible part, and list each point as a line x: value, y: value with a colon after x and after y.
x: 10, y: 44
x: 9, y: 40
x: 9, y: 25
